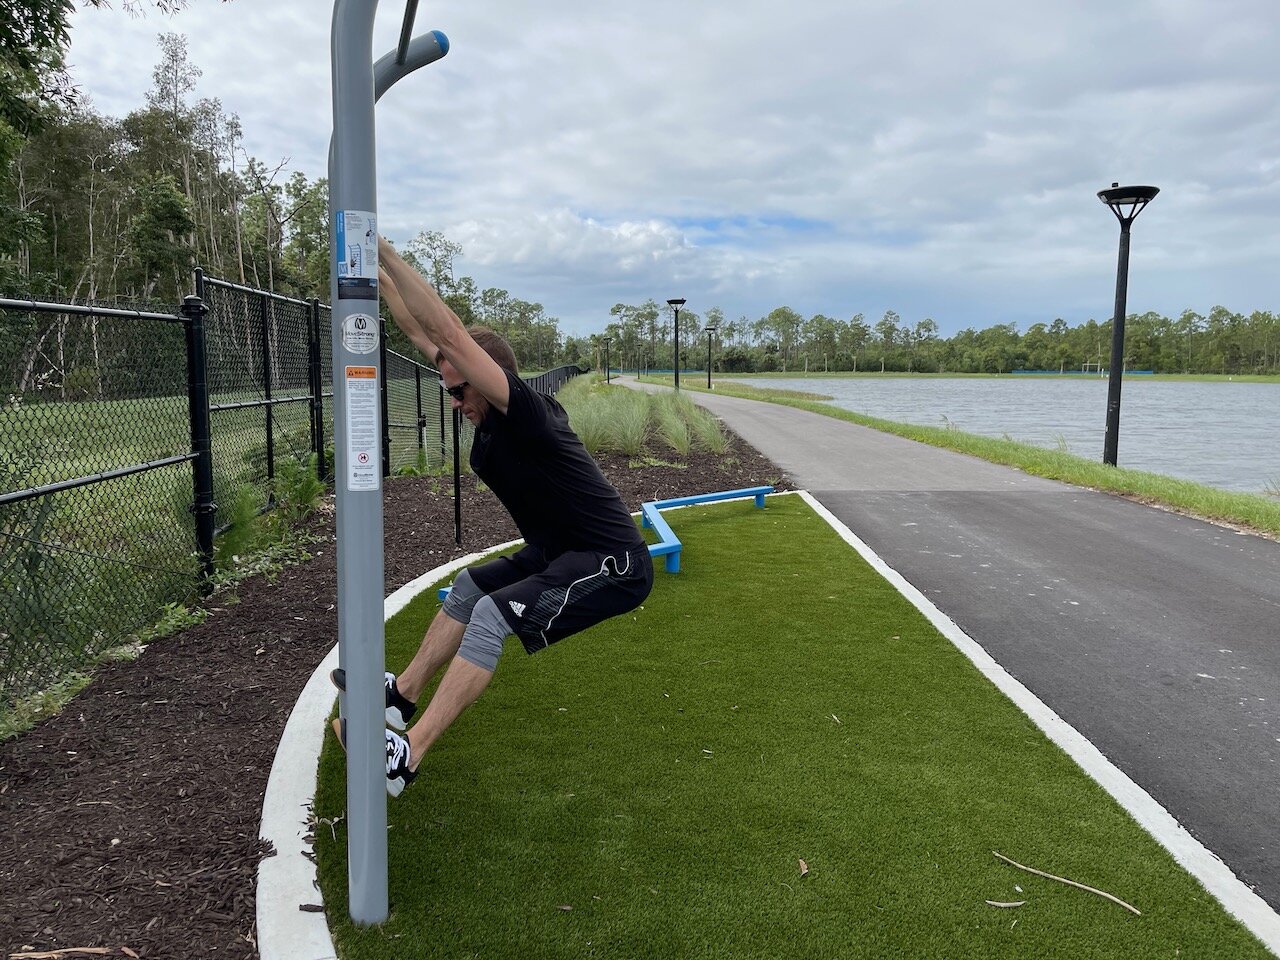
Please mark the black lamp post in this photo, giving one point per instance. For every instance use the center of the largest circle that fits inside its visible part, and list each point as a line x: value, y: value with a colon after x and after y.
x: 709, y: 331
x: 1126, y: 203
x: 607, y: 341
x: 676, y: 305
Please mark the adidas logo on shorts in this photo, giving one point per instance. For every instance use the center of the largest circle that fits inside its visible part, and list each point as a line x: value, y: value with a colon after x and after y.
x: 517, y: 607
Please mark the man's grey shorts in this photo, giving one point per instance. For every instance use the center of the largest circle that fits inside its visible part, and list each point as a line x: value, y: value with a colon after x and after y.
x: 544, y: 600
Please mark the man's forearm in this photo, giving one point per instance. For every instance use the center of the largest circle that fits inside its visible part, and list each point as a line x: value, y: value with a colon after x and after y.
x: 404, y: 318
x: 437, y: 323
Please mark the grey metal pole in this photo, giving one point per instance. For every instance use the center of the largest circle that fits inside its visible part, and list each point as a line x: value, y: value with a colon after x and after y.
x: 357, y: 373
x: 1111, y: 443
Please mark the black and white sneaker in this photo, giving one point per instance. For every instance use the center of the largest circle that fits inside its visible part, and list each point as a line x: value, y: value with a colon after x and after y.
x: 399, y: 775
x: 399, y: 707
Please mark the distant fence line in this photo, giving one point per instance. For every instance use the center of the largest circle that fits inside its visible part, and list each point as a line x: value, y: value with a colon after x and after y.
x: 126, y: 435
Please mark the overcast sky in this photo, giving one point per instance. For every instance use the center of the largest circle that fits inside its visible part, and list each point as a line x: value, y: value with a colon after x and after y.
x: 937, y: 159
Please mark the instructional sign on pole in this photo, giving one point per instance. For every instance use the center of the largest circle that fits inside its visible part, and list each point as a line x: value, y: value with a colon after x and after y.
x: 364, y: 464
x: 357, y: 251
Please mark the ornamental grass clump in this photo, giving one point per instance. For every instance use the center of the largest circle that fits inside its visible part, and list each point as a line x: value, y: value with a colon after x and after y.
x: 707, y: 431
x: 607, y: 419
x: 629, y: 416
x: 672, y: 421
x: 581, y: 401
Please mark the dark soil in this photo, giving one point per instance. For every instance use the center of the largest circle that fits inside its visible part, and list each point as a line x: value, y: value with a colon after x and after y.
x: 130, y: 820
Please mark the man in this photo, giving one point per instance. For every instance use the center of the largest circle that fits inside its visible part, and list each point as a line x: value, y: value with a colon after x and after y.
x: 584, y: 559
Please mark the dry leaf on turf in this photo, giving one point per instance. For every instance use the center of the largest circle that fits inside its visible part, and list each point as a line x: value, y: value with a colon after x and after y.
x: 804, y: 869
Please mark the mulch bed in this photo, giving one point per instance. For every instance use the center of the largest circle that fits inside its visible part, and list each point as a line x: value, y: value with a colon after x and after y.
x: 130, y: 820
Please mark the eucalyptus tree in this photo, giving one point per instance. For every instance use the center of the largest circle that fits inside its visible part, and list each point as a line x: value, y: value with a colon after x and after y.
x: 306, y: 252
x: 433, y: 254
x: 822, y: 334
x: 890, y: 337
x: 924, y: 339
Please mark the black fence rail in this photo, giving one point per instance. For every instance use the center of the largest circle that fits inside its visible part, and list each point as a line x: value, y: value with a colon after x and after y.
x: 127, y: 435
x: 99, y: 471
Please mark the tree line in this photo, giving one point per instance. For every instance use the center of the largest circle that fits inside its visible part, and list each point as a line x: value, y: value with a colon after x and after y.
x: 1221, y: 342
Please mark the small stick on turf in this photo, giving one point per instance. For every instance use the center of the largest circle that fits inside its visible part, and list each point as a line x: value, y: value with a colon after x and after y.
x: 1072, y: 883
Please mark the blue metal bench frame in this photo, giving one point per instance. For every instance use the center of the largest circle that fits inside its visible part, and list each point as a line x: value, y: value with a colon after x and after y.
x: 669, y: 544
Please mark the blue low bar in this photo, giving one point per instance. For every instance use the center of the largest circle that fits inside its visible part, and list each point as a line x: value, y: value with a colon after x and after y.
x: 669, y: 545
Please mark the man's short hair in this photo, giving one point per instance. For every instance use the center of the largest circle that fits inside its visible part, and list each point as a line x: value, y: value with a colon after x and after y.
x: 494, y: 345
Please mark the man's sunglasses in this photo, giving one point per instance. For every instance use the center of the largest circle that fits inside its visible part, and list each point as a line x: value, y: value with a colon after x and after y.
x: 457, y: 390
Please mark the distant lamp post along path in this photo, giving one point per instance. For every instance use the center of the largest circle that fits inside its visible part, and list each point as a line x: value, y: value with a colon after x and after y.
x: 709, y: 331
x: 1126, y: 203
x: 676, y: 304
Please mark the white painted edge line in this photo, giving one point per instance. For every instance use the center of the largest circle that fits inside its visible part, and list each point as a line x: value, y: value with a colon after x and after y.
x: 288, y: 880
x: 1241, y: 902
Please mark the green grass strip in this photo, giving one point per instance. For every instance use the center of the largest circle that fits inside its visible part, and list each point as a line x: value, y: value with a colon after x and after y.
x: 648, y: 788
x: 1255, y: 511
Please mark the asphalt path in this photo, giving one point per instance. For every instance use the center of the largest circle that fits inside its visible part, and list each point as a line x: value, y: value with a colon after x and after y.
x: 1155, y: 635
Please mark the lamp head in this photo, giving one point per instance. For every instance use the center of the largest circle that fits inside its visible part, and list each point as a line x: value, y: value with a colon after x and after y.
x: 677, y: 303
x: 1127, y: 202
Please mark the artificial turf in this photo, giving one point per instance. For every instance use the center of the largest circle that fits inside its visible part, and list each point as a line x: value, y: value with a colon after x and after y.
x: 650, y: 787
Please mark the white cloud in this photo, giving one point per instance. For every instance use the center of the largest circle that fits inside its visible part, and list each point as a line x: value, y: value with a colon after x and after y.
x: 939, y: 160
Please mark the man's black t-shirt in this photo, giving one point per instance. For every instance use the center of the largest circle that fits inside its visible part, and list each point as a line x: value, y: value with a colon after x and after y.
x: 539, y: 469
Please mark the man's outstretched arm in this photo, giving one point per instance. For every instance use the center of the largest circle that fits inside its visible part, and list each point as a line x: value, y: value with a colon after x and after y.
x: 404, y: 319
x: 428, y: 321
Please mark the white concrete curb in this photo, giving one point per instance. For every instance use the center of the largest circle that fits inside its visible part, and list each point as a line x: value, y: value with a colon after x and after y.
x: 288, y: 880
x: 1241, y: 902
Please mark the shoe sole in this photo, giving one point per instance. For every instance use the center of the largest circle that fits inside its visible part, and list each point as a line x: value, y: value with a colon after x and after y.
x: 394, y: 718
x: 339, y: 726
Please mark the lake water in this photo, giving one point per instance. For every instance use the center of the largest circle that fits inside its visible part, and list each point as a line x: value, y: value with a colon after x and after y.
x: 1221, y: 434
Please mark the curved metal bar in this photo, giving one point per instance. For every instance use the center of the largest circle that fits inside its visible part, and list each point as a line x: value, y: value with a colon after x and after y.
x: 392, y: 67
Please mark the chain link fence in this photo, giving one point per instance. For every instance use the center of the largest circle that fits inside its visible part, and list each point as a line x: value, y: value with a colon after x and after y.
x: 96, y: 482
x: 129, y: 438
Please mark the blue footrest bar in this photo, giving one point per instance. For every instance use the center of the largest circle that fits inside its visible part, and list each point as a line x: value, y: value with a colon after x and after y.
x: 669, y: 544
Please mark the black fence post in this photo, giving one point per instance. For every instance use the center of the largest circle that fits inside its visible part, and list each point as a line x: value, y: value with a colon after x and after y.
x: 457, y: 478
x: 317, y: 386
x: 417, y: 393
x: 440, y: 384
x: 383, y: 398
x: 203, y: 507
x: 265, y: 311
